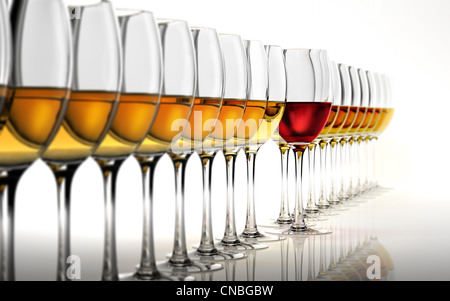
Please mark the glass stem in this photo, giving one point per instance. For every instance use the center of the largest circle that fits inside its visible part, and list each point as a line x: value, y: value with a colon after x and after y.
x: 284, y: 217
x: 251, y: 260
x: 9, y: 181
x: 311, y: 207
x: 284, y: 259
x: 333, y: 264
x: 230, y: 234
x: 179, y: 256
x: 311, y: 263
x: 323, y: 261
x: 230, y: 270
x: 364, y: 164
x: 333, y: 197
x: 110, y: 172
x: 207, y: 239
x: 299, y: 219
x: 64, y: 176
x: 359, y: 166
x: 251, y: 229
x: 299, y: 243
x: 369, y: 160
x: 342, y: 240
x: 322, y: 200
x: 147, y: 268
x: 343, y: 192
x: 374, y: 158
x: 351, y: 167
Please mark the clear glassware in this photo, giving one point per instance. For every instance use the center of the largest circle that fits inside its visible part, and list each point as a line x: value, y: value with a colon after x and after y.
x: 208, y: 97
x: 359, y: 137
x: 138, y: 104
x: 165, y: 136
x: 307, y: 110
x: 342, y: 99
x: 317, y: 205
x: 327, y: 146
x: 256, y: 83
x: 366, y: 154
x: 91, y: 109
x: 211, y: 88
x: 386, y: 113
x: 352, y: 91
x: 276, y: 95
x: 284, y: 216
x: 41, y: 78
x: 359, y: 105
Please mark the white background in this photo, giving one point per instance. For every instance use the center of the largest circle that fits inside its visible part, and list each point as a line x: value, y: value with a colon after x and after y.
x: 406, y: 39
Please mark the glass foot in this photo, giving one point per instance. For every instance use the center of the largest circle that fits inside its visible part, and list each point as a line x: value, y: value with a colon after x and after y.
x: 155, y: 277
x: 188, y: 268
x: 316, y: 217
x: 259, y: 237
x: 217, y: 256
x: 327, y: 212
x: 338, y: 207
x: 247, y: 244
x: 275, y: 225
x: 273, y: 222
x: 289, y: 231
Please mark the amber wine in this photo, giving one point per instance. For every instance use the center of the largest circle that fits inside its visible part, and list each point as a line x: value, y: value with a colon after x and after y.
x: 203, y: 118
x: 170, y: 120
x: 201, y: 123
x: 5, y: 101
x: 375, y: 120
x: 249, y: 125
x: 385, y: 119
x: 330, y: 122
x: 360, y: 113
x: 34, y: 117
x: 86, y: 122
x: 349, y: 120
x: 134, y: 117
x: 340, y: 121
x: 229, y: 118
x: 366, y: 121
x: 272, y: 117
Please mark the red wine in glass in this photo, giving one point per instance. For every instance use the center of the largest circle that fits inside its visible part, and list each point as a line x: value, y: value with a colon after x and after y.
x: 302, y: 122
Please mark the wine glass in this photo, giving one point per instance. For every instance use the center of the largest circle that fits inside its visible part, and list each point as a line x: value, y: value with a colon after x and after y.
x: 256, y: 104
x: 307, y: 110
x: 92, y: 106
x: 276, y: 95
x: 208, y: 93
x: 207, y: 125
x: 325, y: 141
x: 366, y: 102
x: 230, y: 116
x: 352, y: 95
x: 386, y: 114
x: 284, y: 215
x: 139, y: 102
x: 374, y: 101
x: 341, y: 98
x: 165, y: 135
x: 359, y: 105
x: 40, y: 81
x: 316, y: 207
